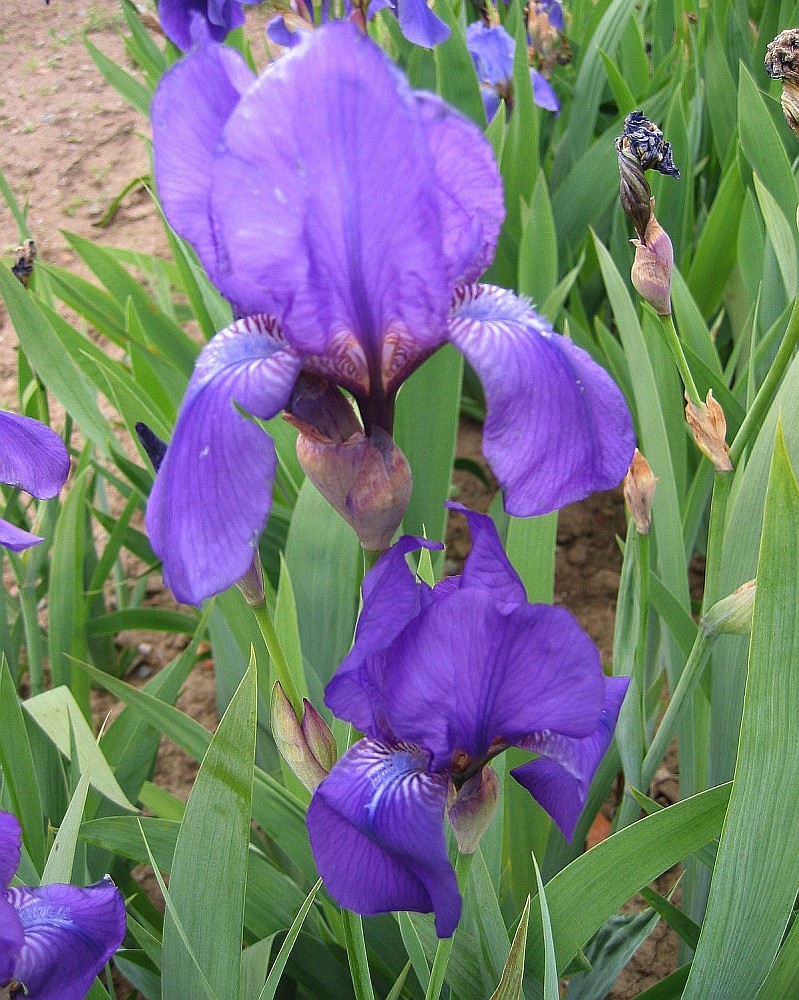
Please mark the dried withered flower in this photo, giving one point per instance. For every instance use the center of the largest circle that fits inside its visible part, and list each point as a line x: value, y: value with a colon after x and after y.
x: 782, y: 63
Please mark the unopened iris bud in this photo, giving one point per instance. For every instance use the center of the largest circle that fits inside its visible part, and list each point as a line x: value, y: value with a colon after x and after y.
x: 709, y: 426
x: 652, y: 267
x: 366, y: 479
x: 251, y: 584
x: 639, y: 492
x: 732, y: 614
x: 472, y: 808
x: 782, y: 63
x: 311, y: 766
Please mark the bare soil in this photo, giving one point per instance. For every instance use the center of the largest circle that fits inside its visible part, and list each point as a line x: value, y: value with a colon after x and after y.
x: 70, y: 145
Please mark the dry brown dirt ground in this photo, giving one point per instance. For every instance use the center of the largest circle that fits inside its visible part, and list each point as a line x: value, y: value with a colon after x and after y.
x: 70, y: 145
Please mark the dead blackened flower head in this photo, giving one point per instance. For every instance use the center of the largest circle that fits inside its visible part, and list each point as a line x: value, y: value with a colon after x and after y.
x: 641, y: 147
x: 782, y: 63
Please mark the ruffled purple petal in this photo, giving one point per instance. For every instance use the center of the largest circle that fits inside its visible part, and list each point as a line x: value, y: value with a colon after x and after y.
x: 12, y: 938
x: 191, y: 105
x: 376, y: 825
x: 465, y: 674
x: 279, y: 32
x: 492, y: 52
x: 179, y: 19
x: 543, y: 93
x: 557, y: 426
x: 70, y: 933
x: 213, y: 492
x: 487, y: 567
x: 559, y: 780
x: 419, y: 24
x: 32, y: 457
x: 392, y: 597
x: 325, y: 209
x: 554, y: 11
x: 471, y: 202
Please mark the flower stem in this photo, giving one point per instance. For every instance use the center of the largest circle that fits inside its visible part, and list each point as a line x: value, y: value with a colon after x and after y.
x: 356, y: 954
x: 441, y: 960
x: 679, y: 357
x: 278, y: 657
x: 686, y: 685
x: 33, y: 638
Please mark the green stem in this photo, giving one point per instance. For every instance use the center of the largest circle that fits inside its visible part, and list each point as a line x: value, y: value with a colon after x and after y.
x: 686, y: 685
x: 441, y: 960
x: 278, y: 657
x: 33, y: 637
x: 369, y: 559
x: 679, y: 356
x: 762, y: 400
x: 356, y: 954
x: 643, y: 617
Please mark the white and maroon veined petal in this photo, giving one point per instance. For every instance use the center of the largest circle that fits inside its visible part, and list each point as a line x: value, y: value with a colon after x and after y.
x: 376, y: 825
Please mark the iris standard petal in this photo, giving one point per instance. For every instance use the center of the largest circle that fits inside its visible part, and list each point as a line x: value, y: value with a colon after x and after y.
x: 487, y: 567
x: 32, y: 456
x: 376, y: 825
x: 465, y: 675
x: 559, y: 780
x: 70, y: 933
x: 192, y: 103
x: 557, y: 427
x: 213, y: 492
x: 392, y: 597
x: 471, y: 202
x: 419, y: 24
x: 219, y: 16
x: 326, y: 155
x: 491, y: 49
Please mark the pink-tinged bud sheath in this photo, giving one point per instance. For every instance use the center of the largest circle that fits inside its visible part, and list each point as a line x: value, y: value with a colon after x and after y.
x: 709, y: 426
x: 320, y: 740
x: 472, y: 808
x: 292, y: 743
x: 639, y: 492
x: 654, y: 262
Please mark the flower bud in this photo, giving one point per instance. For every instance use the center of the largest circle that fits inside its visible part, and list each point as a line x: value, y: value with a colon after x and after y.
x: 641, y: 147
x: 782, y: 63
x: 251, y: 584
x: 635, y: 194
x: 366, y: 479
x: 292, y: 741
x: 639, y: 491
x: 652, y: 267
x: 320, y: 740
x: 709, y: 426
x: 732, y: 614
x: 472, y: 808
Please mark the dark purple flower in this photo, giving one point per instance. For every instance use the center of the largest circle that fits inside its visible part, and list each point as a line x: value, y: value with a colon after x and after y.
x: 440, y: 681
x: 346, y: 217
x: 54, y: 939
x: 32, y: 458
x: 220, y: 16
x: 492, y: 50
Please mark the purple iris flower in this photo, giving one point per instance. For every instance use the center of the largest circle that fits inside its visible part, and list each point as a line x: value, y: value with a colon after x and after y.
x: 553, y: 10
x: 32, y: 458
x: 440, y: 681
x: 346, y: 217
x: 492, y: 51
x: 53, y: 939
x: 220, y: 16
x: 417, y: 22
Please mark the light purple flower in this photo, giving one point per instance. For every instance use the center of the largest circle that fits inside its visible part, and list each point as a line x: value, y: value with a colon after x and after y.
x: 220, y: 17
x: 54, y: 939
x: 417, y: 22
x: 492, y: 50
x: 347, y: 217
x: 440, y: 681
x: 32, y: 458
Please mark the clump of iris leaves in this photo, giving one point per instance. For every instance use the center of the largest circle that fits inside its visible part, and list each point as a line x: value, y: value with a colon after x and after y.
x: 244, y: 914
